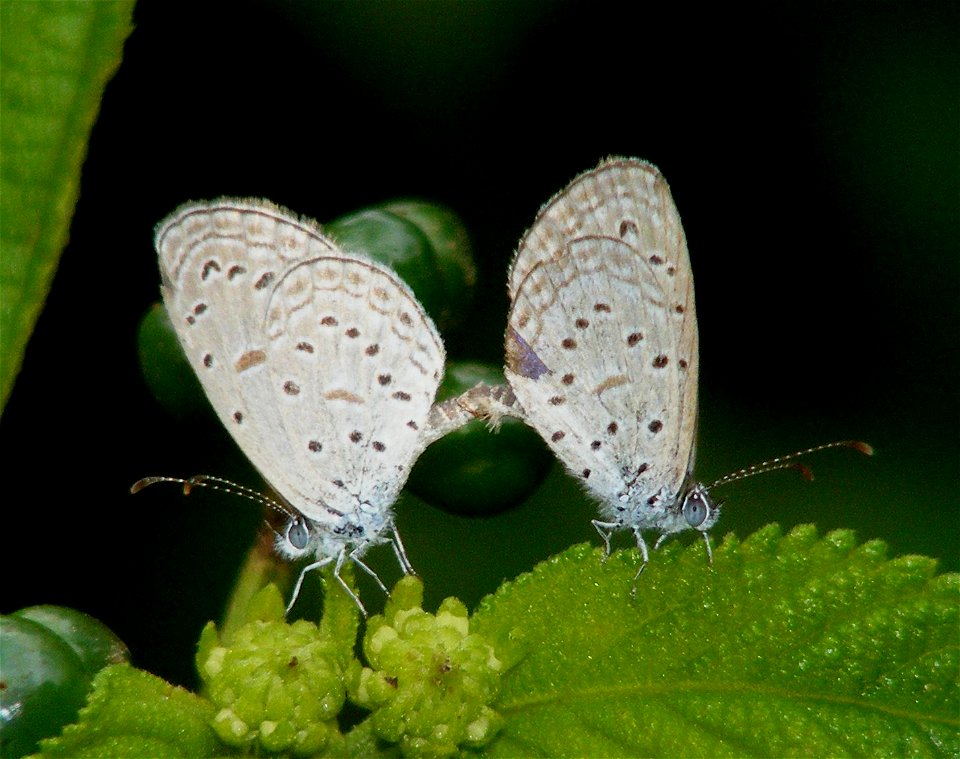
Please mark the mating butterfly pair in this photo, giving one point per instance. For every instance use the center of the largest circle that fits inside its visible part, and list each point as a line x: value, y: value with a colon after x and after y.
x: 323, y: 365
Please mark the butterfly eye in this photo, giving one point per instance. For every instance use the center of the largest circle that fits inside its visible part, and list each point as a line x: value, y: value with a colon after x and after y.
x: 694, y: 510
x: 297, y: 534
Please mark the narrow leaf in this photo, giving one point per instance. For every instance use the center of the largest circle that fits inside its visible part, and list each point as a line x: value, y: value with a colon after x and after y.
x: 56, y: 59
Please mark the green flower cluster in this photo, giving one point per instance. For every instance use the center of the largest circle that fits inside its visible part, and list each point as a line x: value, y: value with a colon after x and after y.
x: 430, y: 682
x: 277, y: 687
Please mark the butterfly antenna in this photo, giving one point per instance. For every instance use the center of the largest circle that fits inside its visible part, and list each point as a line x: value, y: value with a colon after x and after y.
x: 214, y: 483
x: 790, y: 462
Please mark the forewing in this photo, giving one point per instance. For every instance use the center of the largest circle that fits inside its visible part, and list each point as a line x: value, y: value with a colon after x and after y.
x: 602, y: 339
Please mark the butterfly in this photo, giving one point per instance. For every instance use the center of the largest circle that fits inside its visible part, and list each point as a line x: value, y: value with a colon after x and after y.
x: 602, y: 352
x: 321, y: 364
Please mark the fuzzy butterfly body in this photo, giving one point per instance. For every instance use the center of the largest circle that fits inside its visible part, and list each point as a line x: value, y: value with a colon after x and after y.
x: 321, y: 364
x: 601, y: 347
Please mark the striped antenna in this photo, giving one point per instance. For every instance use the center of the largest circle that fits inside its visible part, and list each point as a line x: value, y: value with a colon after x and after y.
x: 790, y: 462
x: 221, y: 485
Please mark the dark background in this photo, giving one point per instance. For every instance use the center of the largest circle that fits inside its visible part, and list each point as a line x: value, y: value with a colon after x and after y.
x: 812, y: 149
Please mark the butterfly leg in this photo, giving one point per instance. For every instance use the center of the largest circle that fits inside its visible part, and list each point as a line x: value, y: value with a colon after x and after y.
x: 341, y: 560
x: 706, y: 542
x: 606, y: 530
x: 358, y: 562
x: 642, y: 545
x: 401, y: 553
x: 296, y: 588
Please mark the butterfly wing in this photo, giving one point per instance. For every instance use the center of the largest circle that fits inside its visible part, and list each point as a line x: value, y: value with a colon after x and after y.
x: 364, y: 361
x: 280, y: 327
x: 602, y: 340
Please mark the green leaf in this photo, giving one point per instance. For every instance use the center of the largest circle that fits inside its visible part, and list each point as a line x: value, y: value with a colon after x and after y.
x: 134, y: 714
x: 786, y: 646
x: 56, y: 59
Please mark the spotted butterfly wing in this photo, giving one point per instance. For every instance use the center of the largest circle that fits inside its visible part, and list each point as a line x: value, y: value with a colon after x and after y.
x: 322, y: 365
x: 601, y: 342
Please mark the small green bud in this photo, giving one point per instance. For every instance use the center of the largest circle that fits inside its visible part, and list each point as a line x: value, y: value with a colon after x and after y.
x: 277, y: 687
x: 430, y: 682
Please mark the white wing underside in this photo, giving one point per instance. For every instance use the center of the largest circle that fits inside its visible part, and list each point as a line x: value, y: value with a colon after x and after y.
x: 321, y: 364
x: 602, y: 336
